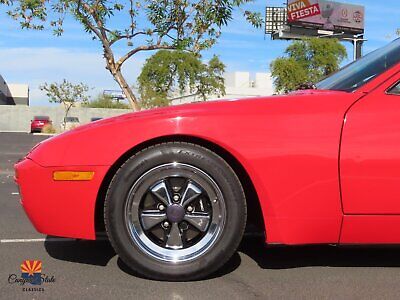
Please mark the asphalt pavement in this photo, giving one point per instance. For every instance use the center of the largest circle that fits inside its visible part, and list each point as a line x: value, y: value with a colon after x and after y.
x: 91, y: 269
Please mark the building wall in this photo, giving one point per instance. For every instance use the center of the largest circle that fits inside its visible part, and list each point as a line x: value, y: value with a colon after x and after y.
x: 3, y: 99
x: 3, y: 85
x: 237, y: 85
x: 13, y: 94
x: 19, y: 93
x: 4, y: 92
x: 17, y: 118
x: 237, y: 79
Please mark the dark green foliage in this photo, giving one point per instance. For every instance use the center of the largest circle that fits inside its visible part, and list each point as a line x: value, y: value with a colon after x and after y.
x: 173, y: 73
x: 106, y: 101
x: 307, y: 61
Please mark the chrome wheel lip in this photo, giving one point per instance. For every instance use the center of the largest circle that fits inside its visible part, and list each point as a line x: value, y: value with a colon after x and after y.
x: 136, y: 231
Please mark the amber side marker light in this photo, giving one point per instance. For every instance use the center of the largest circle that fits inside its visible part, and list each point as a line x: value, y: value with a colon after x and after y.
x: 72, y: 176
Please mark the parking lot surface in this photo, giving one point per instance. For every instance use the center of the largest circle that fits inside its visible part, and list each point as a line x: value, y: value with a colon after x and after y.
x: 91, y: 269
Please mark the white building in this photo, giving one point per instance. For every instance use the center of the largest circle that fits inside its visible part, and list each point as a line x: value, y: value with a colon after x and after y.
x: 13, y: 94
x: 237, y: 85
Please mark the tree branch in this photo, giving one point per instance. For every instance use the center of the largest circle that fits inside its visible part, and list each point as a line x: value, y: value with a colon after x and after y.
x: 124, y: 36
x: 85, y: 19
x: 100, y: 32
x: 141, y: 48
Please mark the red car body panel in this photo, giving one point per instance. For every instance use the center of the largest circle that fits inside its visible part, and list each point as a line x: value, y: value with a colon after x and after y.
x: 370, y: 229
x: 289, y: 151
x: 370, y: 156
x: 59, y: 208
x: 289, y: 146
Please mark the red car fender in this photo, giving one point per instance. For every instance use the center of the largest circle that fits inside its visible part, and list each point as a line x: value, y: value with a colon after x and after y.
x: 289, y: 146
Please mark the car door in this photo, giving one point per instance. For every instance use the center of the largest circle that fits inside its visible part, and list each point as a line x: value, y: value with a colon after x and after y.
x: 370, y: 153
x: 370, y: 167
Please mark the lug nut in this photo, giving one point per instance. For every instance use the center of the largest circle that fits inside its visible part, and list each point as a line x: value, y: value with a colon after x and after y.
x: 161, y: 207
x: 184, y: 226
x: 189, y: 209
x: 165, y: 224
x: 176, y: 198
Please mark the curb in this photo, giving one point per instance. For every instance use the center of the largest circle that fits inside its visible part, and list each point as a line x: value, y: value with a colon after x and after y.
x: 44, y: 134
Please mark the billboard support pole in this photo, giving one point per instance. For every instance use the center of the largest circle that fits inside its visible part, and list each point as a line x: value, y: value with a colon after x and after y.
x: 357, y: 42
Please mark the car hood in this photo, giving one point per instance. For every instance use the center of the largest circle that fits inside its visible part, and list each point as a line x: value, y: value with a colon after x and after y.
x: 208, y: 107
x: 104, y: 141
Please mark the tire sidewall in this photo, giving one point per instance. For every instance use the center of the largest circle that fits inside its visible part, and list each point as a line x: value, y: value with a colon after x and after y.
x: 201, y: 158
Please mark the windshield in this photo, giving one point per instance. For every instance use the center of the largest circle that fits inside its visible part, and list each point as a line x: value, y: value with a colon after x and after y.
x: 363, y: 70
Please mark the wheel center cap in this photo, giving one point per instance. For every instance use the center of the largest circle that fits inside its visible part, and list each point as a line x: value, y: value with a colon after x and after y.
x: 175, y: 213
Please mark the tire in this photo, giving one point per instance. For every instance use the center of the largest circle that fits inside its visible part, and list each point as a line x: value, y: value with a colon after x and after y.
x: 175, y: 211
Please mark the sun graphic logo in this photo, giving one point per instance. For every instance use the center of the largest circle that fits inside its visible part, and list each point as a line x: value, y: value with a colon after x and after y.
x: 32, y: 271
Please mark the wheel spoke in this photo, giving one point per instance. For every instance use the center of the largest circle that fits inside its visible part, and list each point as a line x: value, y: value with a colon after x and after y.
x: 175, y: 213
x: 198, y: 220
x: 152, y: 218
x: 162, y: 193
x: 174, y: 240
x: 191, y: 193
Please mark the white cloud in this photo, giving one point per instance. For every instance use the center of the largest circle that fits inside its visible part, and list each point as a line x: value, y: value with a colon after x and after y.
x: 35, y: 66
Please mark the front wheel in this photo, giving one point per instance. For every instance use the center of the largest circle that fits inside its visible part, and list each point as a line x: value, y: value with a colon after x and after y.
x: 175, y: 211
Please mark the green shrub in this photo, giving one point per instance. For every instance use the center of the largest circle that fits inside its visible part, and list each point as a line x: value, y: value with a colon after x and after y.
x: 105, y: 101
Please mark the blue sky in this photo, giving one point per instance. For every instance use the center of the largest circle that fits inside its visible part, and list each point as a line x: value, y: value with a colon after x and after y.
x: 38, y: 57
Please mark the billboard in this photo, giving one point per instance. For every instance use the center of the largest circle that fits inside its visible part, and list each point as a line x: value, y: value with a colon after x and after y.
x: 119, y: 95
x: 328, y: 15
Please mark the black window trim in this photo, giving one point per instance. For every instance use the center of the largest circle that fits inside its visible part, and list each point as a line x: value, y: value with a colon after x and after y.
x: 389, y: 90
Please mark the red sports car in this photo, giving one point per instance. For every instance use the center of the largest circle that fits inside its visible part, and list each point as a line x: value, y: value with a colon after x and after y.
x: 175, y: 187
x: 39, y: 122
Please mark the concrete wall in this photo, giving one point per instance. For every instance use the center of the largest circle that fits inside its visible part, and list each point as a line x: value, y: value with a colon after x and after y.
x: 15, y: 118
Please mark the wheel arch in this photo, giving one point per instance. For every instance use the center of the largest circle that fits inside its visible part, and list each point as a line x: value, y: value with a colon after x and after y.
x: 254, y: 212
